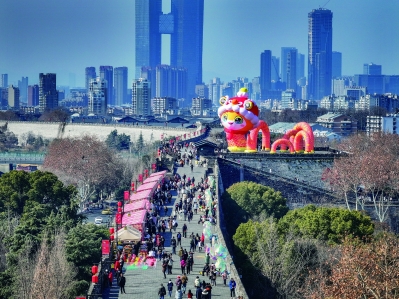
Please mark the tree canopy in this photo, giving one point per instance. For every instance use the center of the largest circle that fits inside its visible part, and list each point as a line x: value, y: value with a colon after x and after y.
x: 255, y: 199
x: 326, y: 224
x: 85, y: 162
x: 118, y: 141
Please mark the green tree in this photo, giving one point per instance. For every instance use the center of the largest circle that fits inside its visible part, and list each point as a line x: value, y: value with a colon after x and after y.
x: 83, y: 248
x: 283, y: 260
x: 111, y: 139
x: 140, y: 142
x: 256, y: 199
x: 326, y: 224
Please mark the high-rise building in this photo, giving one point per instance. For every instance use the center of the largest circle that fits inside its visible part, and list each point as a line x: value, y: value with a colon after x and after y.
x: 33, y: 95
x: 13, y: 97
x: 141, y: 97
x: 184, y: 24
x: 48, y: 94
x: 336, y: 64
x: 320, y: 53
x: 3, y: 98
x: 290, y: 77
x: 215, y: 91
x: 98, y: 92
x: 265, y: 73
x: 120, y: 85
x: 164, y: 105
x: 200, y: 105
x: 4, y: 80
x: 372, y: 69
x: 300, y: 66
x: 275, y: 69
x: 288, y: 99
x: 284, y: 61
x: 166, y: 81
x: 23, y: 90
x: 90, y: 73
x: 107, y: 73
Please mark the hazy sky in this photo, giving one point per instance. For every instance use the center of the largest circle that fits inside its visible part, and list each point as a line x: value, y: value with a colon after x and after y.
x: 65, y: 36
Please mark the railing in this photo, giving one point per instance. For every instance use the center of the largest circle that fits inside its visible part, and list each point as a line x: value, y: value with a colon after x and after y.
x: 7, y: 157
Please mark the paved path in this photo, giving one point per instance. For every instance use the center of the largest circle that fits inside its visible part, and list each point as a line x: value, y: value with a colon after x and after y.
x: 143, y: 284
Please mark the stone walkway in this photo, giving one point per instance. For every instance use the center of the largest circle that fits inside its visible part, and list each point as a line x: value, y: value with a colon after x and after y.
x: 143, y: 284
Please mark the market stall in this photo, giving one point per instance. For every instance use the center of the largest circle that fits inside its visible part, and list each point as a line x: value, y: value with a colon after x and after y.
x: 136, y: 205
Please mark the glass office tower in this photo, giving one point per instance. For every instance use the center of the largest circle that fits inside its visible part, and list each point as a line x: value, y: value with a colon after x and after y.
x: 320, y: 53
x: 184, y: 24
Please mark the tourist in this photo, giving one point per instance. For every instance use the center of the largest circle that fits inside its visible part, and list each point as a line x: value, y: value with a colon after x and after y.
x: 121, y: 283
x: 161, y: 292
x: 189, y: 294
x: 232, y: 285
x: 170, y: 287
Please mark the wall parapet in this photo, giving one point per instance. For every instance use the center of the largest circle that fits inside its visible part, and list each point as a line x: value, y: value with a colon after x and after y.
x: 223, y: 236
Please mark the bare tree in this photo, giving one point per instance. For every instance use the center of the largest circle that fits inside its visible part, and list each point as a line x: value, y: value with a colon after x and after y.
x: 85, y: 162
x: 50, y: 275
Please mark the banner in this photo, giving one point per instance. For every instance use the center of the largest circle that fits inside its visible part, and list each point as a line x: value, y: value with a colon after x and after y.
x: 126, y: 194
x: 105, y: 247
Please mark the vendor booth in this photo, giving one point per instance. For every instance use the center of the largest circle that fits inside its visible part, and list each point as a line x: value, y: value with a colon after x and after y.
x: 128, y: 233
x: 142, y: 204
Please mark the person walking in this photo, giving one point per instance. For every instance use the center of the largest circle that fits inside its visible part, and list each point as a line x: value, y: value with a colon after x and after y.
x: 164, y: 267
x: 174, y: 244
x: 198, y: 293
x: 121, y: 283
x: 170, y: 287
x: 184, y: 230
x: 170, y: 265
x: 224, y: 277
x: 182, y: 266
x: 178, y: 238
x: 189, y: 294
x: 232, y: 285
x: 162, y: 292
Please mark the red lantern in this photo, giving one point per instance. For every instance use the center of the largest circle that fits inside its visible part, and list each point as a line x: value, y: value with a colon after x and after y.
x: 112, y: 237
x: 119, y: 203
x: 140, y: 177
x: 94, y: 279
x: 119, y: 210
x: 94, y: 270
x: 111, y: 230
x: 154, y: 166
x: 126, y: 194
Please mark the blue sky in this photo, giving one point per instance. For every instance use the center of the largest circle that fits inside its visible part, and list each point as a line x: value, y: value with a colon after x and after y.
x: 65, y: 36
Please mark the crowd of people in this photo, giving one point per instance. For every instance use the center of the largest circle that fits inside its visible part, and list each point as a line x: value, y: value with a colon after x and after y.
x: 177, y: 263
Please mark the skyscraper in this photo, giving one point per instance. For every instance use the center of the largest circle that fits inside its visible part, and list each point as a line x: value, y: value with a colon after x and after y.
x: 13, y: 97
x: 372, y: 69
x: 98, y: 96
x: 275, y: 69
x: 33, y: 95
x: 320, y: 53
x: 4, y: 80
x: 120, y: 85
x: 284, y: 62
x: 107, y: 73
x: 90, y: 73
x: 336, y: 64
x: 291, y: 69
x: 48, y: 94
x: 184, y: 24
x: 265, y: 73
x: 141, y: 97
x: 23, y: 90
x: 300, y: 66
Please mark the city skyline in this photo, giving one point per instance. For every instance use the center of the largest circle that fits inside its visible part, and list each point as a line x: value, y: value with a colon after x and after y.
x: 235, y: 34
